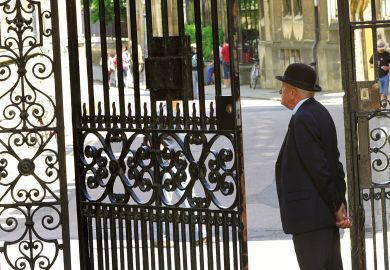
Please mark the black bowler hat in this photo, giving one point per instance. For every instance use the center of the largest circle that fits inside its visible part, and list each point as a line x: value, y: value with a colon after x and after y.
x: 301, y: 76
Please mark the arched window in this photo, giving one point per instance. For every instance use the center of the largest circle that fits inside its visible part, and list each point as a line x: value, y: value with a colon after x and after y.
x: 286, y: 7
x: 297, y: 7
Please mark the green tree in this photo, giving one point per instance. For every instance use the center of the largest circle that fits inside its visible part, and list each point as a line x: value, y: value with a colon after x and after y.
x: 109, y: 10
x: 207, y: 38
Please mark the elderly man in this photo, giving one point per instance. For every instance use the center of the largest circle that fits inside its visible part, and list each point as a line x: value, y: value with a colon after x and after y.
x: 383, y: 65
x: 309, y: 176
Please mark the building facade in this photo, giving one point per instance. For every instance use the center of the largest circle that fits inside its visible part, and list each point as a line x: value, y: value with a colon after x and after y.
x: 288, y: 28
x: 288, y: 34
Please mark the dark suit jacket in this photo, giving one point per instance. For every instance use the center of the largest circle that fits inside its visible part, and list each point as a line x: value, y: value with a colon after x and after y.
x: 309, y: 176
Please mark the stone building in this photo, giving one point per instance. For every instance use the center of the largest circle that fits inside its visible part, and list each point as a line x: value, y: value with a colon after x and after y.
x: 287, y: 35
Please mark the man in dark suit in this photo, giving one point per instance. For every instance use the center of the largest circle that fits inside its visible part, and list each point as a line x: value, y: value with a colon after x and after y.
x: 309, y: 176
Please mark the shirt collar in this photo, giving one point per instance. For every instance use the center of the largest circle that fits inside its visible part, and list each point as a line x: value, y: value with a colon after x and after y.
x: 298, y: 105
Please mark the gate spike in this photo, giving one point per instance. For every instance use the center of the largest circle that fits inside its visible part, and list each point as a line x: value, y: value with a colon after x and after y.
x: 129, y: 116
x: 194, y: 119
x: 212, y: 120
x: 161, y: 116
x: 114, y: 116
x: 84, y: 118
x: 177, y: 117
x: 100, y: 117
x: 146, y: 125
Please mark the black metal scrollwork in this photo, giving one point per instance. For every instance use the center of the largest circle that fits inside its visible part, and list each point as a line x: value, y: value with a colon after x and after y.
x: 127, y: 164
x: 22, y: 65
x: 29, y: 169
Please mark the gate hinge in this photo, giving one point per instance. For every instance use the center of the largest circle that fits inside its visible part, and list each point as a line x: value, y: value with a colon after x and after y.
x: 61, y: 246
x: 1, y: 249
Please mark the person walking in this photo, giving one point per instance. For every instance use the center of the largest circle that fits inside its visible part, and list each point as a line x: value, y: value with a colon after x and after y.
x: 309, y: 176
x: 225, y: 56
x: 383, y: 66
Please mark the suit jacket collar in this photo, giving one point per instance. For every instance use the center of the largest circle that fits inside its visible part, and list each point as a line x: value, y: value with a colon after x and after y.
x: 298, y: 105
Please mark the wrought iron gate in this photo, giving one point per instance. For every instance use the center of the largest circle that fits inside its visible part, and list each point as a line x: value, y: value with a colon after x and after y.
x: 159, y: 165
x: 367, y: 124
x: 33, y: 187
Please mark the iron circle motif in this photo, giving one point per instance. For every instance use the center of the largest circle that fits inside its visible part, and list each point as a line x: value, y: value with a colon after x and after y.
x: 26, y: 167
x: 115, y: 168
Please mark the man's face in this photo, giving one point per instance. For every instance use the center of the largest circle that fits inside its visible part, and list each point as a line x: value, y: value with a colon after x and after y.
x: 381, y: 50
x: 287, y: 95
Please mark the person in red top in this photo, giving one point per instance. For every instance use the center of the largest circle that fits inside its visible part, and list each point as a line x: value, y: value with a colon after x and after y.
x: 225, y: 55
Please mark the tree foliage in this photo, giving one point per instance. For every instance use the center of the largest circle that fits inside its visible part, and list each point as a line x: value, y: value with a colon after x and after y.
x: 109, y: 10
x: 207, y: 38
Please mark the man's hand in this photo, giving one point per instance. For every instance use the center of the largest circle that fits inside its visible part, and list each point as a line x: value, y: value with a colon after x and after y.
x: 342, y: 219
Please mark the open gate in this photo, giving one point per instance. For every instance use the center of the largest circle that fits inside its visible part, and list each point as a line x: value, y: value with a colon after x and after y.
x: 367, y: 124
x: 34, y: 229
x: 159, y: 165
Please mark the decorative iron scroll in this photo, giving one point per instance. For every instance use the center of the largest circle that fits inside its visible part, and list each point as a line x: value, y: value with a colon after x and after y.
x: 30, y: 204
x: 25, y: 100
x: 146, y: 174
x: 379, y: 132
x: 376, y: 195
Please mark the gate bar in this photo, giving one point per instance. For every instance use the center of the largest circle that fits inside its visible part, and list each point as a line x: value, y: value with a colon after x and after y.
x: 74, y: 70
x: 215, y: 34
x: 384, y: 228
x: 88, y: 54
x: 99, y: 239
x: 200, y: 63
x: 118, y: 45
x: 134, y: 43
x: 372, y: 201
x: 103, y: 47
x: 60, y: 135
x: 358, y: 259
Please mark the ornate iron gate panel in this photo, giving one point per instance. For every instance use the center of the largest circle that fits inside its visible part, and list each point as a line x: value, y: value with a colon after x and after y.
x: 367, y: 131
x: 159, y: 164
x: 34, y: 229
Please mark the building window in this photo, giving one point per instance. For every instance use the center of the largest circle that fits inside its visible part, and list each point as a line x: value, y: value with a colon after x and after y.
x: 290, y: 56
x: 332, y: 11
x: 386, y: 8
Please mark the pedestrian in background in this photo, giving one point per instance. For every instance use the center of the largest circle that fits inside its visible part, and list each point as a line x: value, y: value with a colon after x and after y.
x: 309, y: 176
x: 111, y: 69
x: 125, y: 64
x: 140, y: 62
x: 210, y: 71
x: 225, y: 56
x: 383, y: 66
x: 194, y: 63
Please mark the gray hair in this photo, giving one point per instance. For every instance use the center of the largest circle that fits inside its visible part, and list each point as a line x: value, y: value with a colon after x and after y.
x: 305, y: 93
